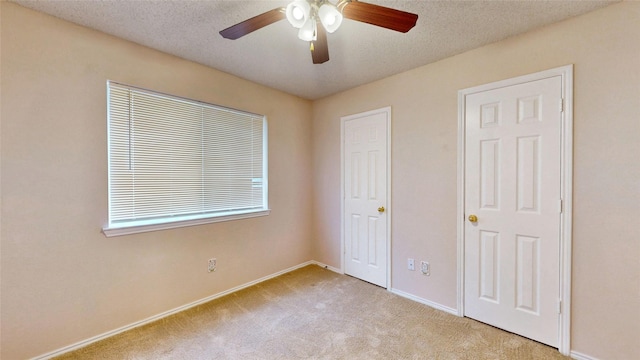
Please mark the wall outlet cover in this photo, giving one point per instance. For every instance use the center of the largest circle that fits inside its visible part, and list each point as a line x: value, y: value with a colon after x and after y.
x: 212, y: 265
x: 411, y: 264
x: 425, y: 268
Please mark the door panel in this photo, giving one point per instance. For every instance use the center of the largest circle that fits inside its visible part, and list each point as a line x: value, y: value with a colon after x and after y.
x: 512, y: 183
x: 489, y: 181
x: 489, y: 265
x: 365, y: 190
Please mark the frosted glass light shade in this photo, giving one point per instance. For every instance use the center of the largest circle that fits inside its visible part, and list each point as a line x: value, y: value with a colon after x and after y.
x: 330, y: 17
x: 298, y: 13
x: 308, y: 30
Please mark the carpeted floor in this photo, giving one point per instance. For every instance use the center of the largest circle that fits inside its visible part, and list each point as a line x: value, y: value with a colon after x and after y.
x: 313, y: 313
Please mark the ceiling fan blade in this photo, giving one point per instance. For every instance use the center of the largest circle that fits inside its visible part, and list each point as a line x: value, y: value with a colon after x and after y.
x: 380, y: 16
x: 319, y: 47
x: 250, y: 25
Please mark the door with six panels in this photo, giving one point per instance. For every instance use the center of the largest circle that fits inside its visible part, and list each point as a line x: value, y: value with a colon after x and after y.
x: 512, y: 208
x: 365, y: 214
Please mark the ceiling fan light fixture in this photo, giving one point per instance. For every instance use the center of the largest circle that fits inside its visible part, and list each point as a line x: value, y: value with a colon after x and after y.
x: 308, y: 30
x: 330, y: 17
x: 315, y: 18
x: 298, y: 13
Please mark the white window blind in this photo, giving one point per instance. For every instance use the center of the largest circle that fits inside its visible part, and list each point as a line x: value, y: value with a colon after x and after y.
x: 173, y: 159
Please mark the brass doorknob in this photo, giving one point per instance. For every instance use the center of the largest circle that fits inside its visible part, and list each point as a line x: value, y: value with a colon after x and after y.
x: 381, y: 209
x: 473, y: 218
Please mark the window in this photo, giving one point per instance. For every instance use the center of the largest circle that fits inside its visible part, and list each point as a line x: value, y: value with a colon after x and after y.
x: 177, y: 162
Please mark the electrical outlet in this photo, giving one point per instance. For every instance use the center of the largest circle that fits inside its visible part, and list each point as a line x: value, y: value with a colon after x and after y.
x: 411, y: 264
x: 212, y: 264
x: 425, y: 268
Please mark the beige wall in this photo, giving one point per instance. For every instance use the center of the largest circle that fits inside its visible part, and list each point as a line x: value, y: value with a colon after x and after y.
x: 605, y: 48
x: 62, y: 280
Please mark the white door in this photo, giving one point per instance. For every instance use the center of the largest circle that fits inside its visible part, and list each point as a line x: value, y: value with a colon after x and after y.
x: 365, y: 220
x: 513, y: 186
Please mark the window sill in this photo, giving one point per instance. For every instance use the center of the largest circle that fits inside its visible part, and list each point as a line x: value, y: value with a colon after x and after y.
x: 146, y: 226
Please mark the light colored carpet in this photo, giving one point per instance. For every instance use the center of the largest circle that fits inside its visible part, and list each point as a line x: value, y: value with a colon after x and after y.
x: 313, y: 313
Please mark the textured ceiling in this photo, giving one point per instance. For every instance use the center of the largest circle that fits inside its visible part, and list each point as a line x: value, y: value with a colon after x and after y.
x: 274, y: 56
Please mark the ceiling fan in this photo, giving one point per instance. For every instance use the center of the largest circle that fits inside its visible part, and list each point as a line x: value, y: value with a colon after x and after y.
x: 314, y: 18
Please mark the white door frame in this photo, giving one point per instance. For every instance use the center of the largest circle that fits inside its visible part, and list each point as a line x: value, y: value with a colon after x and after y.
x: 389, y: 208
x: 566, y: 173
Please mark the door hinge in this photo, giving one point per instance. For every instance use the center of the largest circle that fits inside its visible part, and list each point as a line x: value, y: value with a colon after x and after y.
x: 559, y: 306
x: 561, y: 104
x: 560, y: 206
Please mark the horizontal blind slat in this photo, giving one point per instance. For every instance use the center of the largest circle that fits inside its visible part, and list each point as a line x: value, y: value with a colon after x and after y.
x: 172, y: 156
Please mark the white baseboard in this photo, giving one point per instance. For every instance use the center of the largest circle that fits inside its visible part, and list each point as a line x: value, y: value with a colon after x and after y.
x: 399, y: 292
x: 336, y: 270
x: 83, y: 343
x: 573, y: 354
x: 581, y: 356
x: 425, y: 301
x: 107, y: 334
